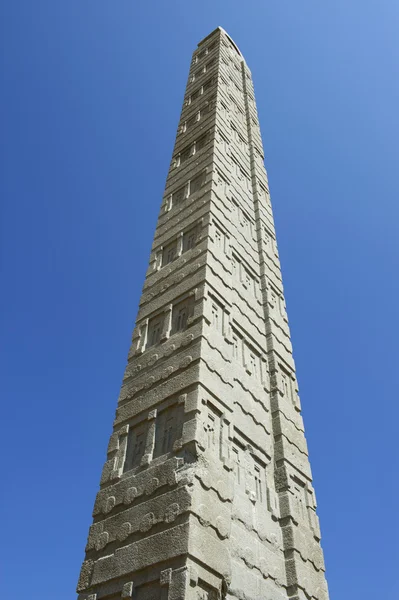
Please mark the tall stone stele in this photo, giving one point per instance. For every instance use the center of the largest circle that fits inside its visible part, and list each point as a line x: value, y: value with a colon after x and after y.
x: 207, y: 491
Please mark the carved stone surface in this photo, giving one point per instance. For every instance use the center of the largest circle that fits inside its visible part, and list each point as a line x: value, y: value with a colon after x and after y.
x: 127, y: 590
x: 206, y: 490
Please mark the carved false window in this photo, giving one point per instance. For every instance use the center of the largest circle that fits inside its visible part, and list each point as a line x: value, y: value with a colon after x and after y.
x: 181, y: 313
x: 179, y: 195
x: 219, y: 238
x: 169, y: 253
x: 155, y: 326
x: 196, y: 94
x: 262, y: 190
x: 253, y: 363
x: 235, y: 267
x: 237, y: 170
x: 208, y: 84
x: 217, y: 314
x: 212, y: 429
x: 222, y: 183
x: 181, y: 318
x: 211, y: 100
x: 245, y: 222
x: 272, y: 297
x: 168, y: 429
x: 216, y: 317
x: 238, y: 87
x: 135, y: 445
x: 207, y: 106
x: 197, y: 182
x: 185, y: 154
x: 282, y: 308
x: 237, y: 348
x: 201, y: 142
x: 259, y: 491
x: 168, y: 435
x: 302, y: 499
x: 247, y: 280
x: 259, y: 154
x: 223, y: 110
x: 224, y: 83
x: 236, y: 456
x: 209, y: 64
x: 266, y: 236
x: 242, y: 140
x: 286, y: 385
x: 189, y: 239
x: 191, y: 121
x: 235, y: 209
x: 250, y: 283
x: 224, y: 143
x: 205, y: 109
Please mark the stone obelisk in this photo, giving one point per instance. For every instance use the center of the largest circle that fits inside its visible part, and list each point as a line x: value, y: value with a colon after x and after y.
x: 206, y: 491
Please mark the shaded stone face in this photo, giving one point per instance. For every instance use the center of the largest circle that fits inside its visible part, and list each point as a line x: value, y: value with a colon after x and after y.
x: 206, y: 491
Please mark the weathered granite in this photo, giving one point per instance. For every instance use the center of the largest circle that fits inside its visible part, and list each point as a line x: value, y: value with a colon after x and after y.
x: 206, y: 491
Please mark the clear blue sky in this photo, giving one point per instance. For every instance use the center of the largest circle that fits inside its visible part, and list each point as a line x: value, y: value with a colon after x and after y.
x: 91, y: 95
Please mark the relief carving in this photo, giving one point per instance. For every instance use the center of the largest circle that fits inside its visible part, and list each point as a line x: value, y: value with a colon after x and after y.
x: 181, y: 462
